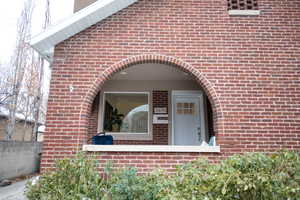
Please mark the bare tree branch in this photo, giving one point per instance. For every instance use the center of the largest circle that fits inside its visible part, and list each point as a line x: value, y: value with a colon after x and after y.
x: 19, y: 61
x: 21, y: 92
x: 41, y: 64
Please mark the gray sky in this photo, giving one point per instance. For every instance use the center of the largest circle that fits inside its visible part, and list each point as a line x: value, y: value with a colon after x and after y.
x: 10, y: 11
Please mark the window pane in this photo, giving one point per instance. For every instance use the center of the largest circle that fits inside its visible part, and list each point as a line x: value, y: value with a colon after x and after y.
x: 126, y: 112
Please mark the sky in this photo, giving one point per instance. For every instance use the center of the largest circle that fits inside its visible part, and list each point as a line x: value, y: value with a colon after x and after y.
x: 10, y: 10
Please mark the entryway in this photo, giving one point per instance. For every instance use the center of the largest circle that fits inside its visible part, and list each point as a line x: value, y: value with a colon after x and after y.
x: 188, y: 118
x: 152, y: 104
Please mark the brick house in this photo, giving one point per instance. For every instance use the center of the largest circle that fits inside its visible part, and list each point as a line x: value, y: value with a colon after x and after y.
x: 167, y: 77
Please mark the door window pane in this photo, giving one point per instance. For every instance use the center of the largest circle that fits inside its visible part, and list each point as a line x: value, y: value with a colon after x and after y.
x: 126, y: 112
x: 185, y: 108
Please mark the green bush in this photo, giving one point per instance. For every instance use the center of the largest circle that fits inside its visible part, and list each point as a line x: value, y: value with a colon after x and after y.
x: 75, y: 178
x: 126, y: 184
x: 247, y: 177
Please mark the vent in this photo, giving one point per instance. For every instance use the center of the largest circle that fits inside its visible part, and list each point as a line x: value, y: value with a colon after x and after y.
x: 242, y: 5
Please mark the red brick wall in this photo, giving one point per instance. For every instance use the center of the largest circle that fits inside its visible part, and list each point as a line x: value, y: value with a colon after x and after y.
x: 93, y: 119
x: 248, y: 66
x: 160, y: 131
x: 146, y: 162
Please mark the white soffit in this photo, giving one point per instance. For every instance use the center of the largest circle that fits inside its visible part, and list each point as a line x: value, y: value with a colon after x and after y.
x: 79, y: 21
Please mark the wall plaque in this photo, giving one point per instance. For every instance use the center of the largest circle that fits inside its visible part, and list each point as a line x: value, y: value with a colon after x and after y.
x: 160, y: 119
x: 160, y: 110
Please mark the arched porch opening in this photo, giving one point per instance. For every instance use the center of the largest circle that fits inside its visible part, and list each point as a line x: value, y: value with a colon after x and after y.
x: 157, y: 79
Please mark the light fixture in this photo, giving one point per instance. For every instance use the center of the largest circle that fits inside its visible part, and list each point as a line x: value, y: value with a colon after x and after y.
x: 123, y: 73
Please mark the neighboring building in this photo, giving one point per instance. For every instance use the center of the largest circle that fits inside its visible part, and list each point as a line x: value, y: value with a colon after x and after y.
x: 22, y: 132
x: 166, y: 77
x: 23, y: 129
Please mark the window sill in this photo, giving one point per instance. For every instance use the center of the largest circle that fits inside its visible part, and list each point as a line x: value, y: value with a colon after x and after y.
x: 150, y: 148
x: 244, y: 12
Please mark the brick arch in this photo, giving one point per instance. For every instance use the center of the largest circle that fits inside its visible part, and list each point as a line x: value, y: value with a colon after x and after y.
x: 153, y: 58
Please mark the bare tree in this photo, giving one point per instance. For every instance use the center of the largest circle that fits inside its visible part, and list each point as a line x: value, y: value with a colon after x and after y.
x: 24, y: 94
x: 29, y: 91
x: 41, y: 64
x: 19, y: 60
x: 5, y: 92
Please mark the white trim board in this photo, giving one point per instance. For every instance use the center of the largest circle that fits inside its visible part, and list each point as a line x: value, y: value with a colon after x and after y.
x: 79, y: 21
x: 244, y: 12
x: 150, y: 148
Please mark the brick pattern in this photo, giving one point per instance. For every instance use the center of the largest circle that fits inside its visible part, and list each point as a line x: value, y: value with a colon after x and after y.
x: 242, y: 5
x: 160, y: 99
x: 93, y: 119
x: 160, y: 131
x: 248, y: 67
x: 149, y: 161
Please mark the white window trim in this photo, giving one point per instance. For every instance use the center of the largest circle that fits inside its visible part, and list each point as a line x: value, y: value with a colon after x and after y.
x: 244, y: 12
x: 125, y: 135
x: 151, y: 148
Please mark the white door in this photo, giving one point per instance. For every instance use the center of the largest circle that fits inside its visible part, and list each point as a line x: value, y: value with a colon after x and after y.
x: 188, y: 118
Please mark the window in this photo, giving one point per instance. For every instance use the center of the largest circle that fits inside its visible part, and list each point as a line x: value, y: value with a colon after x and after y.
x: 185, y: 108
x: 242, y: 5
x: 126, y: 112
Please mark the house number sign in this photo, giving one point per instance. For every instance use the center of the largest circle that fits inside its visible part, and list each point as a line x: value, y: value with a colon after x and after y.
x: 160, y: 115
x: 160, y: 110
x: 160, y: 119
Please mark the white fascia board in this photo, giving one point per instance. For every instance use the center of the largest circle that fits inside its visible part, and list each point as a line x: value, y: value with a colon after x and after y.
x: 78, y: 22
x: 46, y: 54
x: 150, y: 148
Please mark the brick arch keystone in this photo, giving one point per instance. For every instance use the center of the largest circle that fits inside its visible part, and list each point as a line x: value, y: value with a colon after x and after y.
x: 150, y: 58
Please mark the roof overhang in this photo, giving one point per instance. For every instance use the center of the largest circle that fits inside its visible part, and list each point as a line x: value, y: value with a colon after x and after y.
x: 45, y: 42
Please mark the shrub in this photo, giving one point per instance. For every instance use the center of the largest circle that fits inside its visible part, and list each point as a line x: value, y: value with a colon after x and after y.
x: 247, y: 177
x: 126, y: 184
x: 75, y: 178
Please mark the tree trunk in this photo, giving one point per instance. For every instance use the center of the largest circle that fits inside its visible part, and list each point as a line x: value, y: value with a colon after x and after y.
x: 19, y: 59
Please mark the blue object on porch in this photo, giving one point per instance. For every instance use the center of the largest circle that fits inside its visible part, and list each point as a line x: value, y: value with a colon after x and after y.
x: 102, y: 139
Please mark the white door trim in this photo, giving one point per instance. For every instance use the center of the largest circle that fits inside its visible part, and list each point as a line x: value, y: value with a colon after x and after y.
x: 194, y: 93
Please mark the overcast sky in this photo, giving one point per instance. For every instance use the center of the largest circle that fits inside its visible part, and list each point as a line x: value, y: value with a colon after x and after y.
x: 10, y: 10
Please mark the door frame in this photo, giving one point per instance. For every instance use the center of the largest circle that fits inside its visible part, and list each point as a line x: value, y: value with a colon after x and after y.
x: 191, y: 93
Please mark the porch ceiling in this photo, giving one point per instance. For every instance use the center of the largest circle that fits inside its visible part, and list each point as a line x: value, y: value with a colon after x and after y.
x: 152, y: 71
